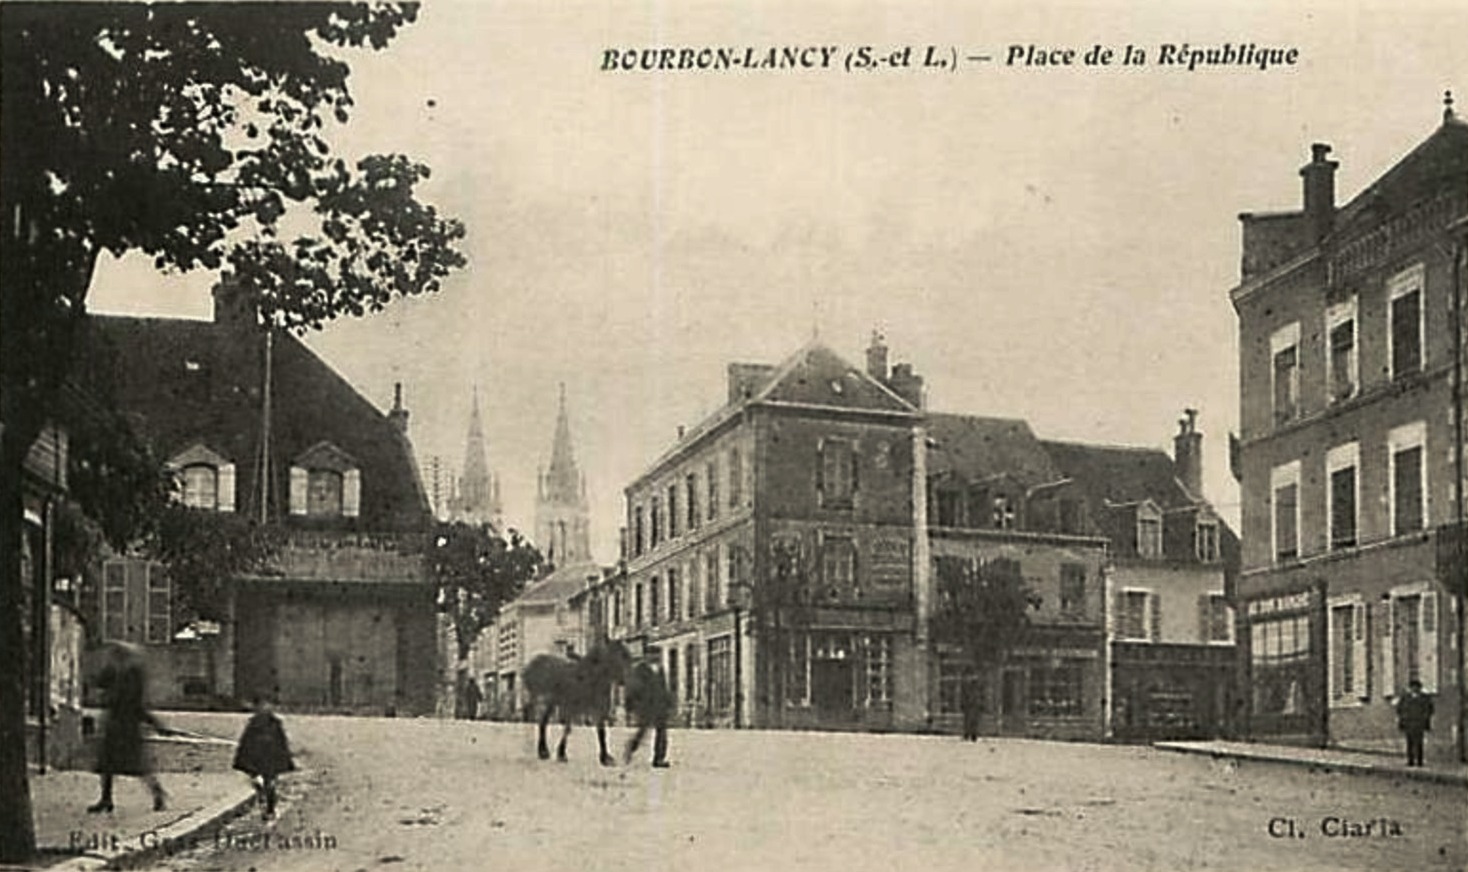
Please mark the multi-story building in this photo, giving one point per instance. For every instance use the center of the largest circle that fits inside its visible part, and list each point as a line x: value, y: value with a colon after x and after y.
x: 1350, y: 455
x: 253, y: 423
x: 788, y: 558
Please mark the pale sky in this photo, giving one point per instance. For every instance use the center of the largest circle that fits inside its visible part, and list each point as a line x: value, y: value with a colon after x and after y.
x: 1055, y: 244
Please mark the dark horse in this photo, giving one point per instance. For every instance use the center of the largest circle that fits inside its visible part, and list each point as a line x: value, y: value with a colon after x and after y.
x: 577, y: 687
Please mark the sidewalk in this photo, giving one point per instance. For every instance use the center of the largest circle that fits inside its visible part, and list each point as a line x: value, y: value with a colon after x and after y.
x: 1327, y: 759
x: 203, y: 794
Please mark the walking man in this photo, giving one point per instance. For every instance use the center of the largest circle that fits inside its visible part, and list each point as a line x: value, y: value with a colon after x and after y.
x: 1414, y: 717
x: 650, y: 703
x: 124, y: 683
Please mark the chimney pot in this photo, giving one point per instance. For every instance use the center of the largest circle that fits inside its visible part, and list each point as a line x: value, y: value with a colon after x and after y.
x: 1187, y: 454
x: 1319, y: 185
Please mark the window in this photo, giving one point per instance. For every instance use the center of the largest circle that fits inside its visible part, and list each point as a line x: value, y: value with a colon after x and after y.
x: 114, y: 601
x: 1136, y: 608
x: 1285, y: 506
x: 693, y: 600
x: 736, y: 479
x: 160, y: 605
x: 637, y: 604
x: 201, y: 487
x: 1055, y: 691
x: 1149, y: 531
x: 672, y: 511
x: 1405, y: 337
x: 1206, y: 540
x: 1412, y: 651
x: 947, y: 509
x: 656, y: 516
x: 1340, y: 361
x: 1002, y: 512
x: 835, y: 473
x: 1284, y: 347
x: 674, y: 592
x: 952, y: 669
x: 1279, y: 649
x: 879, y: 670
x: 1218, y: 619
x: 1347, y: 651
x: 652, y: 600
x: 690, y: 673
x: 638, y: 541
x: 206, y: 478
x: 673, y: 674
x: 736, y: 568
x: 711, y: 475
x: 1407, y: 447
x: 838, y: 566
x: 711, y: 601
x: 721, y: 675
x: 619, y: 606
x: 691, y: 485
x: 1341, y: 494
x: 325, y: 482
x: 1072, y: 588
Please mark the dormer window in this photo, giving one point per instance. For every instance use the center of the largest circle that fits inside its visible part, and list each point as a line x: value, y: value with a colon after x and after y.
x: 325, y: 483
x: 205, y: 479
x: 1206, y: 539
x: 1149, y: 530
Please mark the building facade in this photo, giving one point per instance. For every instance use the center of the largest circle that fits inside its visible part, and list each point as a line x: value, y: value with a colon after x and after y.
x: 254, y: 424
x: 1350, y: 343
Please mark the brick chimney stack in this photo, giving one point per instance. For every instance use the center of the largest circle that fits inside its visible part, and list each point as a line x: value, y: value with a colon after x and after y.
x: 877, y: 358
x: 234, y: 305
x: 1187, y: 453
x: 907, y: 384
x: 398, y: 415
x: 1319, y: 183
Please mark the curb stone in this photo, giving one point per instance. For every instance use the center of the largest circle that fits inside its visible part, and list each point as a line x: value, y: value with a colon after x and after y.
x: 1354, y: 767
x: 185, y: 831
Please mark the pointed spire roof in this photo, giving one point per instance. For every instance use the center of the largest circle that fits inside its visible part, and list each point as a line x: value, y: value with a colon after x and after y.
x: 562, y: 478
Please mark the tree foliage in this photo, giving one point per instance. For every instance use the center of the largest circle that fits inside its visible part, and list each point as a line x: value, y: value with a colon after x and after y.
x: 476, y: 571
x: 983, y: 605
x: 202, y: 550
x: 196, y: 134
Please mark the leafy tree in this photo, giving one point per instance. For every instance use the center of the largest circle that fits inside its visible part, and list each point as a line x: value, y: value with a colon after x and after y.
x: 476, y: 571
x: 194, y: 133
x: 983, y: 605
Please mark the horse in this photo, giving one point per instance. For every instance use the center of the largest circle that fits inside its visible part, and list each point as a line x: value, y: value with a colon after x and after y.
x: 577, y: 687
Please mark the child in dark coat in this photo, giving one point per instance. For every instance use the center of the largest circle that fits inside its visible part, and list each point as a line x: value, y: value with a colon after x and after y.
x: 263, y: 753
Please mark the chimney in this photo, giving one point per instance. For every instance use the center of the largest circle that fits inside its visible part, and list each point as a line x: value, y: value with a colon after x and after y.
x: 234, y: 305
x: 1319, y: 176
x: 877, y: 358
x: 398, y: 415
x: 1187, y: 453
x: 906, y: 384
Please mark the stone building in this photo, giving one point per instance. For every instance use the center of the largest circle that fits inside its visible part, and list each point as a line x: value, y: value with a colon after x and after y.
x: 1350, y: 455
x: 254, y: 423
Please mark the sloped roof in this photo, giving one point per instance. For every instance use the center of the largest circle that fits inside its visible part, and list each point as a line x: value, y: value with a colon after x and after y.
x: 184, y: 382
x: 560, y: 585
x: 974, y: 448
x: 1121, y: 474
x: 817, y: 376
x: 1437, y: 164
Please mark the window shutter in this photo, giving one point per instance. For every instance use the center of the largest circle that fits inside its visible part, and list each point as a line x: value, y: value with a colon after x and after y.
x: 1154, y: 604
x: 300, y: 484
x: 1332, y: 656
x: 1427, y: 642
x: 820, y: 466
x: 1205, y: 615
x: 1358, y: 653
x: 855, y: 471
x: 226, y: 487
x: 352, y: 493
x: 1118, y: 614
x: 1388, y: 651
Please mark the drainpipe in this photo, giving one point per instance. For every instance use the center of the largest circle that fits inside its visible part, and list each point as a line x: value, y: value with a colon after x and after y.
x: 922, y: 568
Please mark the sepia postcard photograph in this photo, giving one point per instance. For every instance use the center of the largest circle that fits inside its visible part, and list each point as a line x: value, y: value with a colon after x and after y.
x: 738, y: 435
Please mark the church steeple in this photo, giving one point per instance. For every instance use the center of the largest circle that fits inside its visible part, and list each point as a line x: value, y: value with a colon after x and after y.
x: 477, y: 500
x: 562, y: 514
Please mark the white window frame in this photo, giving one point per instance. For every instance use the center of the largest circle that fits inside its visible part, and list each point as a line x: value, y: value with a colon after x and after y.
x: 1405, y: 438
x: 1282, y: 476
x: 1360, y: 690
x: 1427, y: 650
x: 325, y: 456
x: 1148, y: 511
x: 200, y: 454
x: 1150, y: 606
x: 1405, y: 282
x: 1345, y: 456
x: 1209, y: 523
x: 1285, y: 337
x: 1335, y: 316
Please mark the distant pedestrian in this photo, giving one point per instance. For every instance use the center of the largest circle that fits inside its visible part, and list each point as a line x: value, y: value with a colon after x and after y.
x: 972, y: 705
x: 1414, y: 717
x: 263, y: 754
x: 472, y: 699
x: 124, y: 683
x: 650, y: 703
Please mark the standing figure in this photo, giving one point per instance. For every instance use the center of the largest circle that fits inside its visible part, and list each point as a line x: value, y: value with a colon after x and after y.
x: 650, y: 703
x: 124, y: 683
x: 1414, y: 717
x: 263, y: 753
x: 472, y: 699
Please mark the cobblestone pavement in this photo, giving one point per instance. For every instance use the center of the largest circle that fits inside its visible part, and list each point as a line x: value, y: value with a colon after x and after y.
x: 420, y: 794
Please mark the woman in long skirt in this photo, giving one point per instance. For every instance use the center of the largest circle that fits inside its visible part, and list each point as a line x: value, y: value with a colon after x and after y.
x: 124, y: 683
